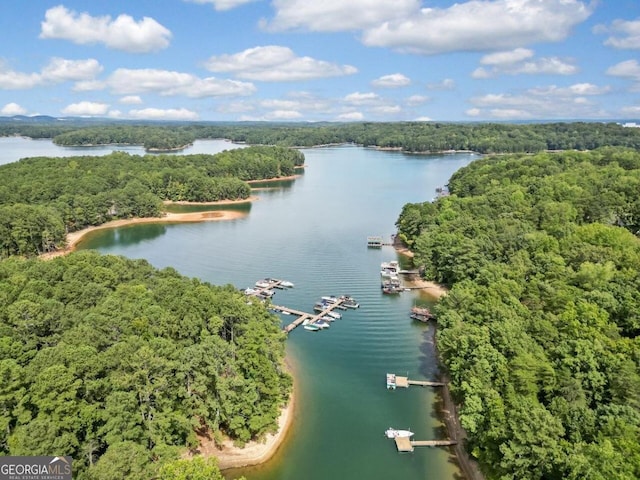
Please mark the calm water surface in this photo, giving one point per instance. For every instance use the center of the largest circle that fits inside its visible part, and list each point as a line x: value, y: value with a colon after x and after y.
x: 312, y: 231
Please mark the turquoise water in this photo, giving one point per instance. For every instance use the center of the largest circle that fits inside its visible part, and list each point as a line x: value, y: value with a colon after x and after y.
x: 313, y: 232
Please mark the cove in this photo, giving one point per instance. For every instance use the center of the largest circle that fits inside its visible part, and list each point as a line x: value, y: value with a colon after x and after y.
x: 312, y: 231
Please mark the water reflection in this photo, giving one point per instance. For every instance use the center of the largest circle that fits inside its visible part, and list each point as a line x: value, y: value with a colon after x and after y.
x: 127, y: 235
x: 244, y: 207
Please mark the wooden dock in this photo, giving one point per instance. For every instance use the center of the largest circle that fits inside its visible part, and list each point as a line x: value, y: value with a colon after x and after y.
x: 404, y: 444
x: 378, y: 242
x: 405, y: 382
x: 311, y: 317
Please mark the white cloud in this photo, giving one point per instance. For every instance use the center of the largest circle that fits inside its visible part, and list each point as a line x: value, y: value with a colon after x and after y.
x: 284, y: 115
x: 627, y: 69
x: 13, y: 109
x: 88, y: 85
x: 337, y: 15
x: 273, y: 63
x: 509, y: 113
x: 423, y: 119
x: 576, y: 89
x: 358, y: 98
x: 478, y: 25
x: 510, y: 65
x: 165, y: 82
x: 387, y: 109
x: 86, y: 109
x: 222, y: 5
x: 130, y: 100
x: 633, y: 110
x: 507, y: 57
x: 628, y: 34
x: 351, y: 116
x: 163, y: 114
x: 446, y: 84
x: 123, y: 33
x: 61, y: 70
x: 541, y: 103
x: 391, y: 81
x: 12, y: 80
x: 415, y: 100
x: 235, y: 107
x: 58, y: 70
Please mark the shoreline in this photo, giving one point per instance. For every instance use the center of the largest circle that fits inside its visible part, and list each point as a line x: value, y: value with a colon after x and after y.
x: 75, y: 238
x: 254, y: 452
x: 448, y: 409
x: 435, y: 289
x: 274, y: 179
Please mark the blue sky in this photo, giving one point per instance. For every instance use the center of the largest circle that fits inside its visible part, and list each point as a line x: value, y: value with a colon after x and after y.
x: 322, y: 60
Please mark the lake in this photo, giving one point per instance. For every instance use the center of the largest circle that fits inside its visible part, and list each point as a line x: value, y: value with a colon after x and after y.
x: 312, y: 231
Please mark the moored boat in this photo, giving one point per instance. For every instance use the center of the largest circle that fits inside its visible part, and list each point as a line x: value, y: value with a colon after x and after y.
x: 329, y: 299
x: 394, y: 433
x: 321, y: 324
x: 286, y: 283
x: 349, y: 302
x: 389, y: 269
x: 391, y: 381
x: 335, y: 315
x: 311, y: 327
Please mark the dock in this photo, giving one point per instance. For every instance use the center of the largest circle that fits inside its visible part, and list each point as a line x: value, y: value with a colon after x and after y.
x: 303, y: 316
x: 404, y: 444
x: 405, y: 382
x: 378, y: 242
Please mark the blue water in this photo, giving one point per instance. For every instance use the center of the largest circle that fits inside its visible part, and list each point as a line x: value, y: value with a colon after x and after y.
x: 312, y: 231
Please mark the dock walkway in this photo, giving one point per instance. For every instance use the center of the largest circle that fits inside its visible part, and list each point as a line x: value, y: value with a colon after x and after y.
x: 404, y: 444
x: 302, y: 316
x: 405, y: 382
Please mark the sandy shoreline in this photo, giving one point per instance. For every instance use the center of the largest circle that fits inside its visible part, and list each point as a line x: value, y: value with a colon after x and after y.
x: 74, y: 238
x: 415, y: 281
x: 254, y: 452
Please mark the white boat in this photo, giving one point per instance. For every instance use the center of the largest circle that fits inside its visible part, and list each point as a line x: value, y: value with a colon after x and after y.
x: 335, y: 315
x: 286, y: 283
x: 391, y: 381
x: 349, y: 302
x: 311, y: 327
x: 393, y: 433
x: 329, y: 299
x: 321, y: 324
x: 327, y: 318
x: 262, y: 284
x: 250, y: 291
x: 389, y: 269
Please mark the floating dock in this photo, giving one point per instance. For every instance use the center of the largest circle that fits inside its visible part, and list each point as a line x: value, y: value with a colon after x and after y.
x: 311, y: 317
x: 378, y: 242
x: 396, y: 381
x: 404, y: 444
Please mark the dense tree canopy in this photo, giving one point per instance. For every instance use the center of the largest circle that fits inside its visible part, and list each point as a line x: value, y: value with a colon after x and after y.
x: 540, y: 330
x: 119, y: 365
x: 41, y: 199
x: 407, y: 136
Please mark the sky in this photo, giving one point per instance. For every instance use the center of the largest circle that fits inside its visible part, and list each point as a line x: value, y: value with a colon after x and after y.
x: 321, y: 60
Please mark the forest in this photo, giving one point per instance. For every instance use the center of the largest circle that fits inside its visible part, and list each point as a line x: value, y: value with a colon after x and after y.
x: 539, y: 332
x: 120, y: 365
x: 42, y: 199
x: 405, y: 136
